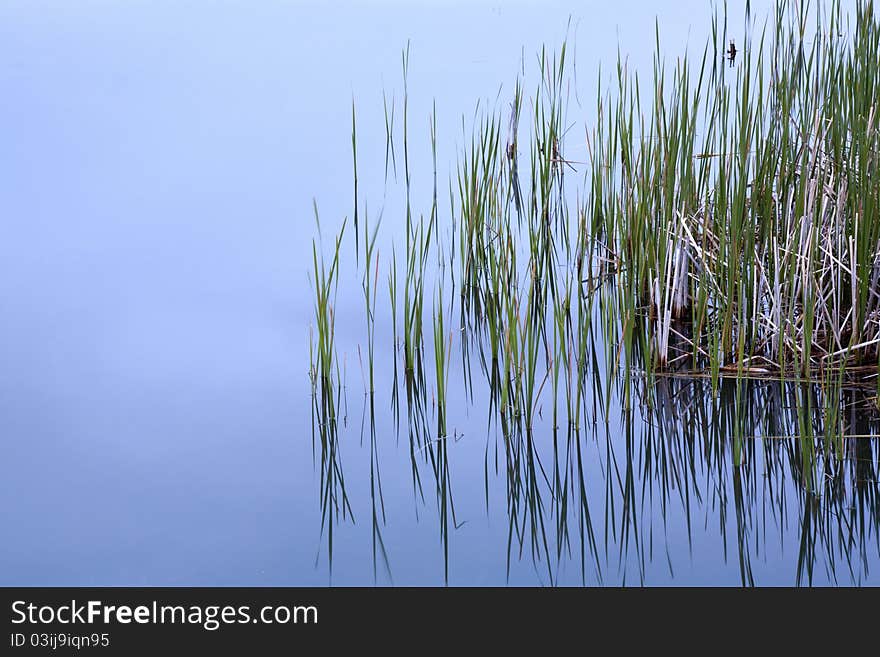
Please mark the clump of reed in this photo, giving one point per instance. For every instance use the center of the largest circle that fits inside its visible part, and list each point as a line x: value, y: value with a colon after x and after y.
x: 728, y: 220
x: 742, y: 216
x: 727, y: 226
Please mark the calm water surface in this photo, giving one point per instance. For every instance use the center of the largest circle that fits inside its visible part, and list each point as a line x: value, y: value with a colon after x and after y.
x: 157, y: 176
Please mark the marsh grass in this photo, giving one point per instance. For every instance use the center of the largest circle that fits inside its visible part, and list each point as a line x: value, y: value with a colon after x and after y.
x: 370, y: 283
x: 728, y: 224
x: 764, y: 234
x: 721, y: 256
x: 327, y: 385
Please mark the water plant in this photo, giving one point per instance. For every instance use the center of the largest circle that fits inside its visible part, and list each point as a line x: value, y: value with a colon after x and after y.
x: 721, y: 257
x: 327, y: 389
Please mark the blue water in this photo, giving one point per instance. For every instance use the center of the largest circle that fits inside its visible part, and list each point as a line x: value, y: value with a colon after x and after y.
x: 157, y: 175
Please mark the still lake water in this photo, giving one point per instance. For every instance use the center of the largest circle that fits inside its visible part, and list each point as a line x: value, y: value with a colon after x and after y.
x: 156, y: 180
